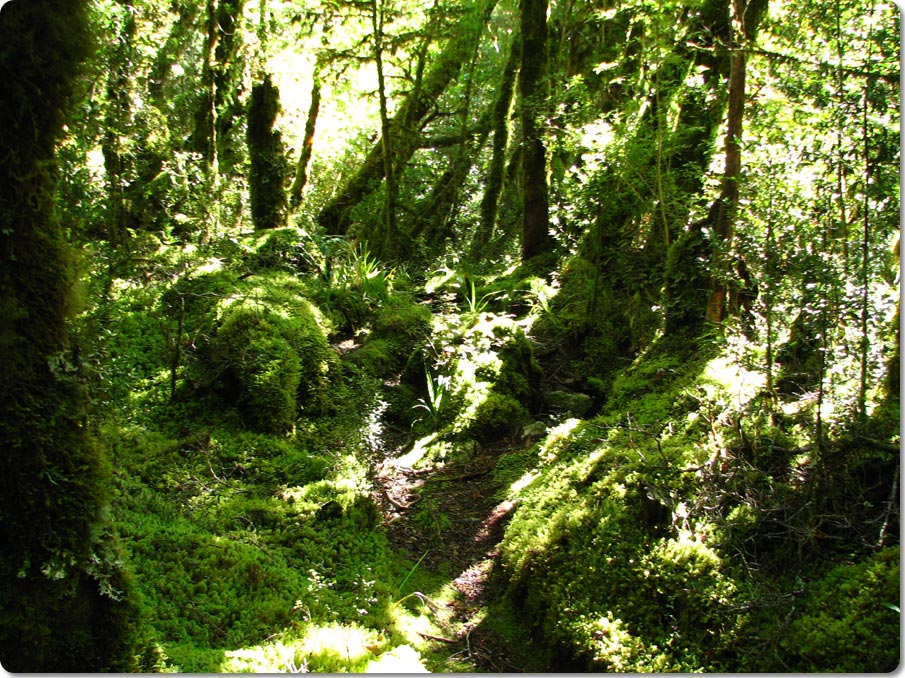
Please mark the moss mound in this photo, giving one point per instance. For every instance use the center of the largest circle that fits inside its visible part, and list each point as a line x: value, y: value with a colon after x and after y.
x: 259, y: 343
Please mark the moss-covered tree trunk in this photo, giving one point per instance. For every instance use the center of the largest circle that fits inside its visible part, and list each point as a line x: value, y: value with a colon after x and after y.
x: 116, y: 122
x: 496, y: 171
x: 268, y: 162
x: 301, y: 170
x: 227, y: 80
x: 62, y: 595
x: 724, y: 227
x: 532, y: 91
x: 387, y: 244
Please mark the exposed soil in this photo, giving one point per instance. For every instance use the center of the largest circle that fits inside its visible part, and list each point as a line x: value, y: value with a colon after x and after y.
x: 449, y: 515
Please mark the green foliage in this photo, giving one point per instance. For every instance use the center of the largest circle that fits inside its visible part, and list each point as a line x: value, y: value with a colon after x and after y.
x: 437, y: 392
x: 850, y: 621
x: 724, y: 510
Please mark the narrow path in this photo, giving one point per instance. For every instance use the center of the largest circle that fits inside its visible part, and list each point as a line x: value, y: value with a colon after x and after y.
x: 450, y: 516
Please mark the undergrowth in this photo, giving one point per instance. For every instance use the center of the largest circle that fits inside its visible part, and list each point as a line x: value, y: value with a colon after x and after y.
x: 667, y: 518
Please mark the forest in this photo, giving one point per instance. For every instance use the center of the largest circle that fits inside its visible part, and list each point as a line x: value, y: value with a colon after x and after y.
x: 486, y: 336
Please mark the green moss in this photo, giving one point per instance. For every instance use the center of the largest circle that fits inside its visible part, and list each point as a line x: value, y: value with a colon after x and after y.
x: 850, y: 622
x: 284, y: 249
x: 260, y: 366
x: 269, y: 353
x: 268, y: 167
x: 496, y: 416
x: 397, y: 330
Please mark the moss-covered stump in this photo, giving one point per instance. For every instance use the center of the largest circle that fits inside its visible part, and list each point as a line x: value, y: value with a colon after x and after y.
x: 259, y: 343
x: 271, y: 365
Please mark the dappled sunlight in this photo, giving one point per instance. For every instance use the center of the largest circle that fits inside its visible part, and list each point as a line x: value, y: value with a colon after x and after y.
x: 329, y: 648
x: 419, y: 450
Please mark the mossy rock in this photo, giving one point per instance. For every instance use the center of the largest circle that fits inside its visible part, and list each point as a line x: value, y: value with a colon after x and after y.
x: 283, y: 249
x: 402, y: 317
x: 521, y: 375
x: 397, y: 331
x: 497, y: 416
x: 196, y: 299
x: 569, y: 403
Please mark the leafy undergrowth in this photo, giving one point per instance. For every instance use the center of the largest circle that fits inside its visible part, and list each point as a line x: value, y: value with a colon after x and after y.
x: 322, y: 467
x: 678, y: 530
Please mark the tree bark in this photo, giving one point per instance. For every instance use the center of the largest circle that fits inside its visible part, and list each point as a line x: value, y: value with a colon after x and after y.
x: 116, y: 123
x: 227, y: 77
x: 533, y: 93
x: 724, y: 222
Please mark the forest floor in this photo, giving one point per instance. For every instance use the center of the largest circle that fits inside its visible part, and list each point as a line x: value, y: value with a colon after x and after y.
x: 451, y: 517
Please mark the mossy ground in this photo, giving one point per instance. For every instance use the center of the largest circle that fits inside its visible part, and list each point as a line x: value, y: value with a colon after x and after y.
x: 427, y: 496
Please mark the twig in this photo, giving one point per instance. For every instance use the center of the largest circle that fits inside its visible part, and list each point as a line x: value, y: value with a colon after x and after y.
x: 451, y: 641
x: 398, y: 505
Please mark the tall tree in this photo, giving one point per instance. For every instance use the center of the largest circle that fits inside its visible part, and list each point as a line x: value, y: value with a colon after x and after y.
x: 64, y: 598
x: 378, y: 18
x: 493, y: 185
x: 116, y: 124
x: 301, y: 170
x: 732, y: 172
x: 532, y: 85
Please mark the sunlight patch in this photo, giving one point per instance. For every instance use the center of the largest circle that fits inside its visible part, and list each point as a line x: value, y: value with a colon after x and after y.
x: 402, y: 659
x: 418, y: 451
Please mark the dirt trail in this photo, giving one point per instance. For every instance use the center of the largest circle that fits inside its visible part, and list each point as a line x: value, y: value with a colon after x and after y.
x: 450, y: 515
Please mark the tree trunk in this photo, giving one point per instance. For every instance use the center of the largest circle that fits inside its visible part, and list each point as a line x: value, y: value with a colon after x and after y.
x: 724, y: 224
x: 387, y: 245
x: 227, y: 76
x: 335, y: 218
x: 301, y: 171
x: 533, y: 93
x: 116, y: 123
x: 268, y: 163
x: 58, y: 564
x: 496, y: 170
